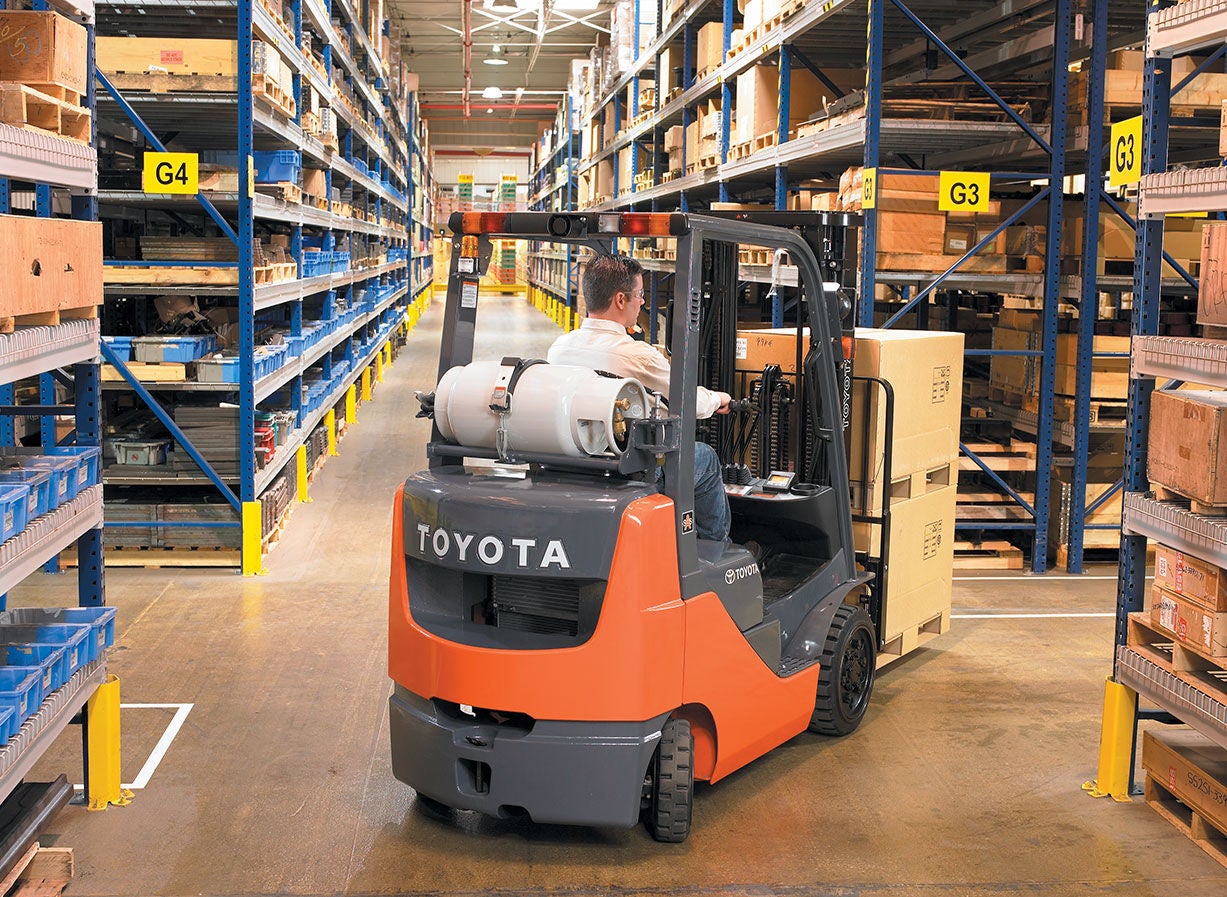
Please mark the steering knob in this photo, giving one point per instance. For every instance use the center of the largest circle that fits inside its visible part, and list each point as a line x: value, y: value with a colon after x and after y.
x: 742, y: 405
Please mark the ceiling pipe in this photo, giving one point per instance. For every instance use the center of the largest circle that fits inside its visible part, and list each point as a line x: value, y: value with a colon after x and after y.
x: 466, y: 24
x: 540, y: 107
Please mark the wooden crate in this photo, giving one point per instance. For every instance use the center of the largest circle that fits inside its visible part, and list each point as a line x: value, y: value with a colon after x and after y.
x: 170, y: 55
x: 53, y: 264
x: 1186, y: 784
x: 42, y: 48
x: 26, y: 107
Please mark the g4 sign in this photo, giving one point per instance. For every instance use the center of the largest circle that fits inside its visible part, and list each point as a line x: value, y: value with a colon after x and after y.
x: 1125, y: 163
x: 171, y: 173
x: 963, y: 191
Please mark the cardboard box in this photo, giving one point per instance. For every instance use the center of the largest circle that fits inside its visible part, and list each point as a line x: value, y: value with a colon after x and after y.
x: 709, y: 47
x: 315, y: 182
x: 1018, y: 374
x: 1192, y: 768
x: 1191, y: 578
x: 1189, y: 622
x: 1212, y: 295
x: 925, y: 369
x: 178, y: 55
x: 1188, y: 443
x: 54, y: 264
x: 911, y: 233
x: 755, y: 349
x: 673, y: 138
x: 920, y: 558
x: 42, y: 48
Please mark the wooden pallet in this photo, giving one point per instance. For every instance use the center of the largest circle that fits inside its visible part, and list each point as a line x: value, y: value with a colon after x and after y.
x: 41, y: 872
x: 1104, y: 412
x: 137, y: 274
x: 283, y: 190
x: 1163, y: 493
x: 276, y: 272
x: 911, y: 639
x: 148, y: 371
x: 1201, y: 830
x: 265, y: 87
x: 169, y: 82
x: 1185, y: 662
x: 48, y: 318
x: 995, y: 555
x: 741, y: 150
x: 274, y: 12
x: 765, y: 141
x: 936, y: 264
x: 999, y: 458
x: 25, y: 107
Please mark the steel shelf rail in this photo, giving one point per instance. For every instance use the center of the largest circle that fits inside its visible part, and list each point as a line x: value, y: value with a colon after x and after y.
x: 252, y: 123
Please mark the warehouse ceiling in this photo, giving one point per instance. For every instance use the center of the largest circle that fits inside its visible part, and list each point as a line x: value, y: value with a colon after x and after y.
x: 537, y: 39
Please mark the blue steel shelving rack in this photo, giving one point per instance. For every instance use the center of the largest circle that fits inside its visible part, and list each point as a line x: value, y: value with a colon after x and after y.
x: 970, y: 146
x: 33, y: 162
x: 553, y: 272
x: 1171, y: 30
x: 400, y: 206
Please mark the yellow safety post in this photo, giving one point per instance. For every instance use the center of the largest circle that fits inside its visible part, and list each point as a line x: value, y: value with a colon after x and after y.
x: 301, y: 456
x: 1120, y: 706
x: 102, y: 744
x: 388, y: 348
x: 351, y: 405
x: 330, y: 423
x: 253, y: 538
x: 366, y: 385
x: 379, y: 365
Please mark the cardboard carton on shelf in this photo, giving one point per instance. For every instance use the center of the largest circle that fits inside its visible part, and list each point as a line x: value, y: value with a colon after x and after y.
x: 1191, y: 578
x: 43, y: 48
x: 1188, y: 443
x: 1189, y: 622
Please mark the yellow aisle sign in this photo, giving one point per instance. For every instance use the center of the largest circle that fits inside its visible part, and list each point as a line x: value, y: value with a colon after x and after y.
x: 1125, y: 160
x: 171, y: 173
x: 251, y: 177
x: 963, y: 191
x: 869, y: 188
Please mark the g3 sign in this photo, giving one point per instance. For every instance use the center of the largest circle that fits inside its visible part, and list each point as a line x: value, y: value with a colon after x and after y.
x: 1125, y: 162
x: 171, y: 173
x: 963, y: 191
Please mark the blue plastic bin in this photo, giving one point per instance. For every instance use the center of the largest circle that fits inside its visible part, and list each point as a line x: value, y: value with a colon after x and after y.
x: 63, y: 475
x: 120, y: 345
x: 69, y: 636
x: 14, y: 509
x: 100, y: 620
x: 87, y: 457
x: 274, y: 166
x: 51, y: 658
x: 38, y: 480
x: 172, y: 348
x: 21, y: 689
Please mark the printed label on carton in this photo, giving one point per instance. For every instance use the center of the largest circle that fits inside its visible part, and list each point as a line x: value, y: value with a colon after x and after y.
x: 1161, y: 567
x: 941, y: 383
x: 1167, y: 613
x: 933, y: 539
x: 742, y: 344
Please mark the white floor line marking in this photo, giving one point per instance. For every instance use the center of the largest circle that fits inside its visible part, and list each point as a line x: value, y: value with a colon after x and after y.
x: 163, y: 745
x: 1025, y: 616
x: 1040, y: 578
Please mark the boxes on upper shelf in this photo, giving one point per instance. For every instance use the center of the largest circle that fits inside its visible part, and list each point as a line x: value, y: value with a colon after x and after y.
x: 1191, y: 578
x: 54, y: 264
x: 43, y: 48
x: 176, y: 56
x: 1188, y: 443
x: 1189, y: 622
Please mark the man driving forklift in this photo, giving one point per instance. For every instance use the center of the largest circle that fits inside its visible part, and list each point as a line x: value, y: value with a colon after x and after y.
x: 613, y: 292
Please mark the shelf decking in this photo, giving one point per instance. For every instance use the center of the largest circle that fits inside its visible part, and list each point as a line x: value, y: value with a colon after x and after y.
x: 37, y: 733
x: 47, y: 536
x: 38, y: 157
x: 1185, y: 27
x: 1180, y: 358
x: 1178, y: 192
x: 1204, y: 712
x: 28, y: 351
x: 1172, y: 523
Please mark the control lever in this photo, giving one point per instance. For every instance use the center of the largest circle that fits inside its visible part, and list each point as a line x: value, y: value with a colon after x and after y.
x: 427, y: 401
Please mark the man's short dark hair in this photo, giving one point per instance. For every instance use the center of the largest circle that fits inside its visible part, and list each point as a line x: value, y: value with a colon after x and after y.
x: 606, y: 276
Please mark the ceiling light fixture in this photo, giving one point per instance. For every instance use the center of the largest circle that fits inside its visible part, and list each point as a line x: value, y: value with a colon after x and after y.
x: 496, y: 56
x: 492, y: 93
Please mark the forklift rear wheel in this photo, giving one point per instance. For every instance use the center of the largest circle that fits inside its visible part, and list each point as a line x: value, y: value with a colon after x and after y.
x: 672, y: 793
x: 845, y: 680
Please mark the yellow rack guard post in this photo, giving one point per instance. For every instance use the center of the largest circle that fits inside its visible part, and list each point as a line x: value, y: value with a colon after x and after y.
x: 301, y: 458
x: 1115, y: 743
x: 252, y: 524
x: 102, y: 742
x: 330, y: 423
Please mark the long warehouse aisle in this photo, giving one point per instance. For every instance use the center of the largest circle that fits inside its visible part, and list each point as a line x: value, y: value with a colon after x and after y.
x: 259, y: 735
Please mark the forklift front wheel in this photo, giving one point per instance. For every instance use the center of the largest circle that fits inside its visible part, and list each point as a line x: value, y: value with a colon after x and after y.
x: 672, y: 789
x: 845, y: 678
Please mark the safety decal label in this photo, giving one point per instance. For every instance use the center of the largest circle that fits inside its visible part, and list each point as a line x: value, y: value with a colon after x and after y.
x: 941, y: 383
x: 468, y: 295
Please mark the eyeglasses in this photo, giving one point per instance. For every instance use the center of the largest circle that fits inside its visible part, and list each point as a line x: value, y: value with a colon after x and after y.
x: 636, y: 293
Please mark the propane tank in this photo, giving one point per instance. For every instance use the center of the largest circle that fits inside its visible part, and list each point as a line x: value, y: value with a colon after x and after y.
x: 554, y: 409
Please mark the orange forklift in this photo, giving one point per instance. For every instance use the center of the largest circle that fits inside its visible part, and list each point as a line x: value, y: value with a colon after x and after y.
x: 562, y: 645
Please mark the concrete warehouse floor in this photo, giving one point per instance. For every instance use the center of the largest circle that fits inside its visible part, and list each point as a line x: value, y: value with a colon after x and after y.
x: 964, y: 779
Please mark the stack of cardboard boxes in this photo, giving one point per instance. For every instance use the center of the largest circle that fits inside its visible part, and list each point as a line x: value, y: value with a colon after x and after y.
x: 925, y: 371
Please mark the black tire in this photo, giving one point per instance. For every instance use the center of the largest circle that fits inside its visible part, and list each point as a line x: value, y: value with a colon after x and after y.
x: 432, y: 806
x: 845, y: 682
x: 672, y: 789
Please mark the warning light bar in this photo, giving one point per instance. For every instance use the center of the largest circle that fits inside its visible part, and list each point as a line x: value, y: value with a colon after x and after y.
x: 641, y: 224
x: 483, y: 222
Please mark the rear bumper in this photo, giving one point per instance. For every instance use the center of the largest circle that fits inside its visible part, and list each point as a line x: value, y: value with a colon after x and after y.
x: 577, y: 773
